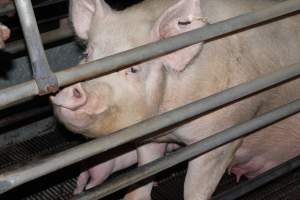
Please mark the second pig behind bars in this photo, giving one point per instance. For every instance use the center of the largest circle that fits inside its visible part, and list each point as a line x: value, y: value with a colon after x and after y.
x: 103, y: 105
x: 4, y: 30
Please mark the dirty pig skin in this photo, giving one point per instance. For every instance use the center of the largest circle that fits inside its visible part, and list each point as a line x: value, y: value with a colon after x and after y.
x: 106, y: 104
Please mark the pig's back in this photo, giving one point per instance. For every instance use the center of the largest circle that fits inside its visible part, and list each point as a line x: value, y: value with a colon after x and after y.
x: 270, y: 47
x: 245, y: 56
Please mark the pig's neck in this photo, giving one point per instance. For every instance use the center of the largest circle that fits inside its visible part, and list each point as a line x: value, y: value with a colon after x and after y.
x: 203, y: 77
x: 197, y: 80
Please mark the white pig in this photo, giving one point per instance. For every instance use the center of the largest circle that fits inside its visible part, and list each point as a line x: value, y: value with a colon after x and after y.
x: 109, y: 103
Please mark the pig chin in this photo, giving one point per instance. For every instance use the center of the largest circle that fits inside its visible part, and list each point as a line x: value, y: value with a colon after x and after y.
x: 76, y: 121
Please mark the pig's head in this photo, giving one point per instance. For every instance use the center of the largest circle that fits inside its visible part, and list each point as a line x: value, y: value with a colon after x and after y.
x: 114, y: 101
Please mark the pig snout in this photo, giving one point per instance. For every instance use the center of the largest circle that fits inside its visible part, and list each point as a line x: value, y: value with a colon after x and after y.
x: 4, y: 32
x: 71, y: 98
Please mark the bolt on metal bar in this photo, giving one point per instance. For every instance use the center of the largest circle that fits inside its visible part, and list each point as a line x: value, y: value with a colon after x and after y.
x: 45, y: 166
x: 44, y: 77
x: 149, y: 51
x: 48, y: 37
x: 260, y: 180
x: 191, y: 151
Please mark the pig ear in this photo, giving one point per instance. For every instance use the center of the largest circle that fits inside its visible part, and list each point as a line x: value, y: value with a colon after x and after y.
x: 82, y: 13
x: 182, y: 17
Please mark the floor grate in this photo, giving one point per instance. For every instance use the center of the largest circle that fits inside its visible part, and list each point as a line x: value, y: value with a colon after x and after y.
x: 169, y: 185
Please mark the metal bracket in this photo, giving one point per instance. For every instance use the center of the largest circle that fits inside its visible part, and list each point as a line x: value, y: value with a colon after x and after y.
x: 44, y: 77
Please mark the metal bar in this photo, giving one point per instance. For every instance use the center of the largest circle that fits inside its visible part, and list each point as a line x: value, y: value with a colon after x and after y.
x: 44, y: 77
x: 34, y: 170
x: 260, y: 180
x: 191, y: 151
x: 145, y: 52
x: 48, y: 37
x: 9, y: 96
x: 9, y: 7
x: 24, y: 115
x: 6, y: 9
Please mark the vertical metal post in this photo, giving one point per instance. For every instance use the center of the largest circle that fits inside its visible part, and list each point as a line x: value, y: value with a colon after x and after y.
x: 44, y: 77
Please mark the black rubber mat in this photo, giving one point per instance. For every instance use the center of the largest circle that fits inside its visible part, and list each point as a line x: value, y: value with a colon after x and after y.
x: 59, y: 186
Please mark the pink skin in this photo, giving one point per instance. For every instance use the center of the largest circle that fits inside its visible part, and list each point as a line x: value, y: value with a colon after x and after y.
x: 268, y: 148
x: 99, y: 173
x: 4, y: 30
x: 4, y: 34
x: 112, y: 102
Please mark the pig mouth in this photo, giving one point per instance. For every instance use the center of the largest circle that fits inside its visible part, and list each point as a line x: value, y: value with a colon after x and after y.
x: 64, y: 107
x: 76, y: 120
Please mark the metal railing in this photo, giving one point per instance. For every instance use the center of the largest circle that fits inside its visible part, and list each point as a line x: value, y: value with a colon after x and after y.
x: 191, y: 151
x: 45, y: 79
x: 47, y: 37
x: 260, y: 180
x: 10, y: 7
x: 34, y: 170
x: 12, y: 95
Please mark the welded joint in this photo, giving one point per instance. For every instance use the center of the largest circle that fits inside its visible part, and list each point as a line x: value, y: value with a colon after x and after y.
x: 45, y: 79
x: 47, y: 84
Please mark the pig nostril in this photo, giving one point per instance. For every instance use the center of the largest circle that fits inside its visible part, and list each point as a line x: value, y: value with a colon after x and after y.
x: 77, y: 93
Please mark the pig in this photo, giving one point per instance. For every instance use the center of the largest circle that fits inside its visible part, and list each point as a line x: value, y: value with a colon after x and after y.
x: 4, y: 34
x: 4, y: 30
x: 97, y: 174
x: 103, y: 105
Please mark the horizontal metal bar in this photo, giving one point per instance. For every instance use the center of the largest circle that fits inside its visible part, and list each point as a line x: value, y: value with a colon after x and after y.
x: 145, y: 52
x: 191, y: 151
x: 23, y: 115
x: 44, y: 77
x: 10, y: 7
x: 48, y: 37
x: 34, y: 170
x: 263, y: 179
x: 6, y: 8
x: 30, y: 88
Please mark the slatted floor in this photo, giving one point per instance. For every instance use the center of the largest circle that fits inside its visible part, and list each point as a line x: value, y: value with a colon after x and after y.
x: 59, y: 186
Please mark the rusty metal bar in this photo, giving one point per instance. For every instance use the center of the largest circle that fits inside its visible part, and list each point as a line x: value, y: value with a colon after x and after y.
x: 14, y: 178
x: 44, y: 77
x: 191, y: 151
x: 145, y: 52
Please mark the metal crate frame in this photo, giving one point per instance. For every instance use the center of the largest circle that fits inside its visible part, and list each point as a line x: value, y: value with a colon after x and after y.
x: 45, y: 82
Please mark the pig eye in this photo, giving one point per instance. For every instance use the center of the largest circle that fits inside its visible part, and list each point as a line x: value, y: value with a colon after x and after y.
x: 184, y: 23
x: 133, y: 70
